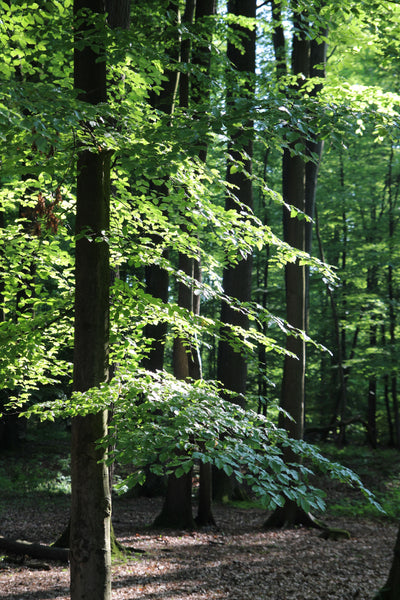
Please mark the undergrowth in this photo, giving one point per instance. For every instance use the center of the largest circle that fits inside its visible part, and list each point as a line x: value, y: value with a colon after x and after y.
x: 39, y: 468
x: 378, y: 469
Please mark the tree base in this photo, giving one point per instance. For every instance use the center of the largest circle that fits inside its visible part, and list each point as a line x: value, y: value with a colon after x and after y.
x: 387, y: 594
x: 206, y: 521
x: 176, y: 512
x: 290, y: 515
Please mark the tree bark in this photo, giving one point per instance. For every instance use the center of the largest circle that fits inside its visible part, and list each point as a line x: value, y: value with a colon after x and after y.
x: 156, y: 278
x: 391, y: 590
x: 90, y: 546
x: 236, y: 281
x: 232, y: 364
x: 177, y: 508
x: 296, y: 194
x: 294, y: 233
x: 392, y: 301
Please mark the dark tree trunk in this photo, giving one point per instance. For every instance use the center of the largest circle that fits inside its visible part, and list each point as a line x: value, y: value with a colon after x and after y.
x: 200, y: 93
x: 34, y: 550
x: 118, y: 13
x: 391, y: 590
x: 372, y: 288
x: 177, y: 508
x: 298, y: 190
x: 294, y: 232
x: 314, y: 149
x: 232, y: 364
x: 262, y: 271
x: 156, y: 278
x: 205, y: 517
x: 186, y: 356
x: 292, y: 392
x: 9, y: 430
x: 90, y: 551
x: 392, y: 300
x: 156, y: 282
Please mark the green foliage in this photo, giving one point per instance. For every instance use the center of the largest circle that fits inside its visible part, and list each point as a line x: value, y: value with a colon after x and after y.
x: 169, y: 425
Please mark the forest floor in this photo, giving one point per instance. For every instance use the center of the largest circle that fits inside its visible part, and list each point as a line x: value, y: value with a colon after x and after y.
x: 237, y: 561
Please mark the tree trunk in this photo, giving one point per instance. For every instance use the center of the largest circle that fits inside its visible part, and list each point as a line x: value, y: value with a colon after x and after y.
x: 392, y: 302
x: 200, y: 93
x: 232, y: 364
x: 372, y: 287
x: 391, y: 590
x: 294, y: 232
x: 90, y: 547
x: 292, y: 392
x: 34, y: 550
x: 177, y: 508
x: 204, y: 517
x: 156, y: 278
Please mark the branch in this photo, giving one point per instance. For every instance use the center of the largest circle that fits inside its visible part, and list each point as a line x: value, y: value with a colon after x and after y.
x: 34, y: 550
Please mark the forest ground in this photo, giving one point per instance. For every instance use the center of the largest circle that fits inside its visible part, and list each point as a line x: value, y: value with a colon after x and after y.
x: 237, y: 561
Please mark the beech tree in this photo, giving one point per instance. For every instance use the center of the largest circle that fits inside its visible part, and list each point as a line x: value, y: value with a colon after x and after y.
x: 237, y: 278
x: 90, y: 544
x: 231, y: 366
x: 294, y: 231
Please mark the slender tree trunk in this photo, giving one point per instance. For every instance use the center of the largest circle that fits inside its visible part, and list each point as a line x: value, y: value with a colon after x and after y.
x: 200, y: 93
x: 295, y: 193
x: 292, y: 393
x: 90, y: 547
x: 294, y: 233
x: 314, y: 149
x: 232, y: 364
x: 386, y: 393
x: 177, y: 507
x: 392, y: 300
x: 342, y: 401
x: 262, y: 271
x: 156, y: 278
x: 372, y: 288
